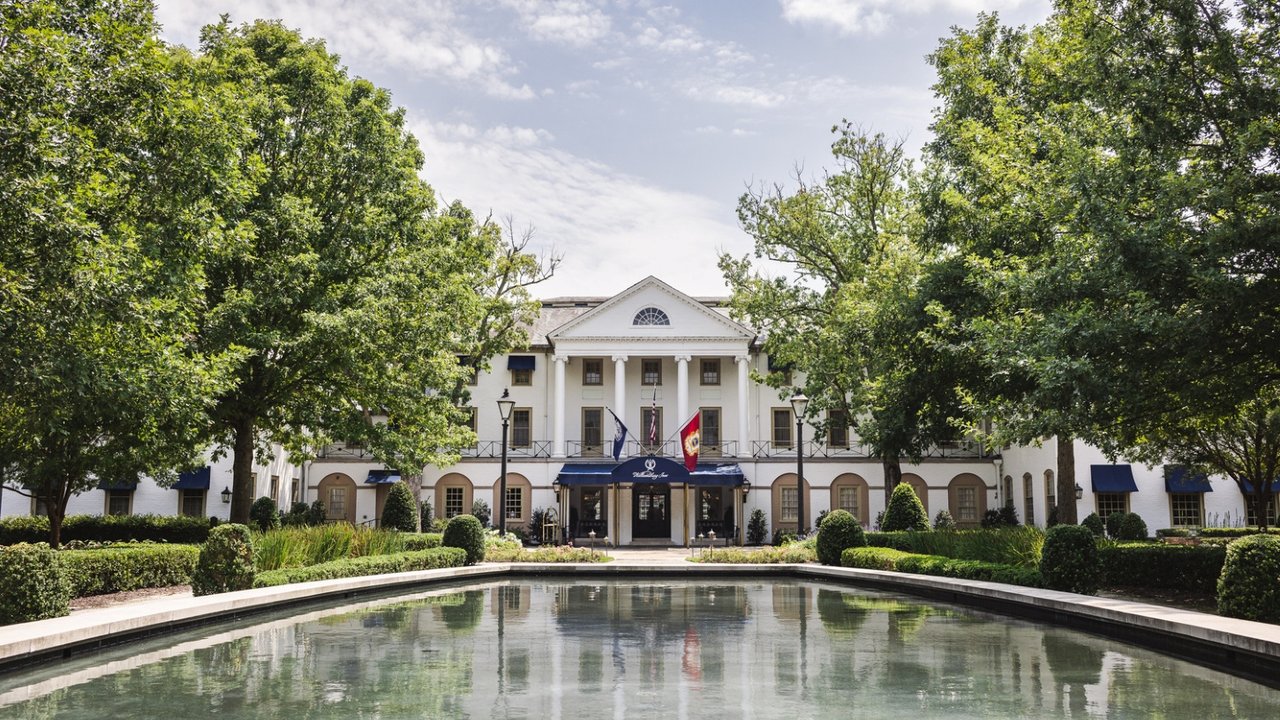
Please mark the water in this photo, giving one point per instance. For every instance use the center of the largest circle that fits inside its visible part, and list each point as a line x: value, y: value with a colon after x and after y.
x: 661, y: 649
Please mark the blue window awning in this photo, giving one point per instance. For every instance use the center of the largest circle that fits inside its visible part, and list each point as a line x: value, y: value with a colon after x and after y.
x: 129, y: 485
x: 1112, y: 478
x: 521, y: 362
x: 193, y: 479
x: 707, y: 474
x: 1275, y: 486
x: 586, y: 474
x: 382, y: 477
x: 1178, y: 479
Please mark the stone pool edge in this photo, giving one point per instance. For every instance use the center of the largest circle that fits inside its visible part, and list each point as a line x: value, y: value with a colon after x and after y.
x: 1245, y: 648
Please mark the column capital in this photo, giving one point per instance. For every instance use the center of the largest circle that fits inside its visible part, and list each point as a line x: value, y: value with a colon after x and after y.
x: 560, y: 358
x: 741, y: 359
x: 619, y: 358
x: 683, y: 358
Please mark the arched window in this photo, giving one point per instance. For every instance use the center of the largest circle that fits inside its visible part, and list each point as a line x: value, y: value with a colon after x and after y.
x: 918, y: 484
x: 849, y: 492
x: 651, y: 316
x: 968, y: 496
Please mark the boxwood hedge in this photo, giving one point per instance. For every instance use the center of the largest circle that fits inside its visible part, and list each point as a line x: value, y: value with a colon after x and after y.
x: 1157, y: 565
x: 107, y: 528
x: 367, y: 565
x: 116, y: 569
x: 878, y: 558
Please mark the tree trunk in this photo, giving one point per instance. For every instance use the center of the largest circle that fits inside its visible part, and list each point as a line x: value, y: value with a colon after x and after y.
x: 414, y: 482
x: 892, y: 476
x: 242, y: 471
x: 56, y: 500
x: 1067, y: 514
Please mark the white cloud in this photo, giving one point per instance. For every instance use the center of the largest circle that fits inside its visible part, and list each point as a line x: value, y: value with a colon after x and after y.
x: 743, y: 95
x: 852, y: 17
x: 569, y: 22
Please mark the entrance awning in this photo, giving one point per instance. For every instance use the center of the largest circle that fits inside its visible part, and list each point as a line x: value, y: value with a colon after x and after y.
x: 1113, y: 479
x: 1179, y: 479
x: 193, y: 480
x: 722, y: 474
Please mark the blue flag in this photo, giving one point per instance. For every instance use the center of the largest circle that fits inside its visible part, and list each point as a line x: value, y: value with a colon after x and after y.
x: 619, y: 436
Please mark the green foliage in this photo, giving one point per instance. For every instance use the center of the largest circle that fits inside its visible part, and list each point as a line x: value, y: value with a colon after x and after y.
x: 107, y: 528
x: 264, y: 514
x: 1019, y: 545
x: 769, y: 555
x: 838, y: 532
x: 480, y: 509
x: 298, y: 515
x: 1113, y: 523
x: 905, y: 511
x: 226, y: 561
x: 465, y: 531
x: 1249, y: 586
x: 128, y: 567
x: 879, y: 558
x: 1236, y: 532
x: 545, y: 554
x: 944, y: 521
x: 398, y: 512
x: 757, y: 527
x: 367, y: 565
x: 422, y: 541
x: 1193, y: 568
x: 783, y: 536
x: 1005, y: 516
x: 33, y: 584
x: 1095, y: 524
x: 1132, y: 527
x: 1070, y: 560
x: 426, y: 514
x: 301, y: 546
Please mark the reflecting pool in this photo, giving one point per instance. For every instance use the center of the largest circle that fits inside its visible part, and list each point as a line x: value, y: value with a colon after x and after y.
x: 635, y: 649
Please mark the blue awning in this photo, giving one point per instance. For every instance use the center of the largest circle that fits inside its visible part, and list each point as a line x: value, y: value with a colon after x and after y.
x: 1248, y: 486
x: 382, y: 477
x: 1178, y: 479
x: 586, y: 474
x: 709, y: 474
x: 193, y: 479
x: 129, y: 485
x: 521, y: 362
x: 1112, y: 479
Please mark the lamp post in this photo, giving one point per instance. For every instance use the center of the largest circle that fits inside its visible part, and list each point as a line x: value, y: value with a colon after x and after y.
x: 505, y: 405
x: 799, y: 403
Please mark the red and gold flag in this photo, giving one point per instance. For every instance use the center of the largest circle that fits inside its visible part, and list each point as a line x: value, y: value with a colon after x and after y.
x: 691, y: 441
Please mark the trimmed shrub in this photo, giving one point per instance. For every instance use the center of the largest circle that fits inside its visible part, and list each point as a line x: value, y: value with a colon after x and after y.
x: 1007, y: 546
x: 757, y: 528
x: 783, y: 537
x: 361, y: 566
x: 1222, y: 532
x: 1113, y: 523
x: 791, y: 553
x: 422, y: 541
x: 226, y: 561
x: 1249, y: 586
x: 466, y: 532
x: 944, y: 521
x: 1070, y: 561
x: 838, y: 531
x: 896, y: 560
x: 872, y: 558
x: 1132, y: 528
x: 1174, y: 533
x: 398, y: 512
x: 264, y: 515
x: 545, y: 554
x: 108, y: 528
x: 1005, y: 516
x: 480, y: 509
x: 905, y: 511
x: 1094, y: 522
x: 1150, y: 565
x: 33, y: 584
x: 425, y: 514
x: 116, y: 569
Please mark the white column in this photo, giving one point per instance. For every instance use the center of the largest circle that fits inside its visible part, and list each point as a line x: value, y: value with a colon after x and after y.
x: 620, y: 387
x: 682, y: 388
x: 744, y: 441
x: 557, y: 440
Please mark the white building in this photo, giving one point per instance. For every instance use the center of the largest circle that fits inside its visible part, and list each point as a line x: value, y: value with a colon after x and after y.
x: 654, y: 356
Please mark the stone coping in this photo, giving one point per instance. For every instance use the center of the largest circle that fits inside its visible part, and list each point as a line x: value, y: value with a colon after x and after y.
x: 1246, y: 648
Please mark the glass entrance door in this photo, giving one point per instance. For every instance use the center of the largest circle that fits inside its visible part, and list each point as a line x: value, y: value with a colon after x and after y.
x: 651, y: 517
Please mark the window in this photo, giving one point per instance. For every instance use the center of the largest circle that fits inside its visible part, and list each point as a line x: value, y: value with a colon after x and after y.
x: 452, y: 502
x: 1050, y: 491
x: 515, y: 503
x: 837, y: 429
x: 782, y: 427
x: 1008, y: 490
x: 118, y: 502
x: 337, y: 505
x: 651, y: 428
x: 1111, y: 503
x: 711, y: 371
x: 650, y: 371
x: 592, y: 371
x: 789, y: 505
x: 592, y: 431
x: 1186, y: 509
x: 295, y: 492
x: 848, y: 500
x: 967, y: 504
x: 191, y: 503
x: 275, y: 489
x: 710, y: 425
x: 1251, y: 518
x: 39, y: 507
x: 521, y: 427
x: 1029, y: 503
x: 592, y: 505
x: 710, y: 504
x: 651, y: 316
x: 522, y: 376
x: 471, y: 417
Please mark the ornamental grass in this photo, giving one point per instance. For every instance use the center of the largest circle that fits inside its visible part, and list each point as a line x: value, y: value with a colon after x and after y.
x: 304, y: 546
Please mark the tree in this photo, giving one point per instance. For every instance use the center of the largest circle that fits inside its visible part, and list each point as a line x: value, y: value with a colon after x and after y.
x: 108, y: 153
x: 352, y: 293
x: 856, y: 300
x: 1111, y: 177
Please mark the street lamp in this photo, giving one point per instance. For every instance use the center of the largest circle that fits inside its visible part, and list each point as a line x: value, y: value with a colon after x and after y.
x: 799, y: 403
x: 505, y: 405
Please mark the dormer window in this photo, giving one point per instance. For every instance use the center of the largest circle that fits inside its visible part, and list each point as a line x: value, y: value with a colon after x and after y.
x: 651, y: 316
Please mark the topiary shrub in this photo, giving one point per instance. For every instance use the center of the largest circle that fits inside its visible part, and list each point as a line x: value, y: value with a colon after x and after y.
x: 33, y: 584
x: 1095, y: 524
x: 1069, y: 560
x: 426, y: 514
x: 264, y: 514
x: 480, y: 510
x: 944, y: 521
x: 1249, y: 587
x: 226, y: 561
x: 838, y: 531
x: 905, y: 511
x: 1113, y: 523
x: 398, y: 511
x: 1132, y: 528
x: 466, y: 532
x: 757, y: 528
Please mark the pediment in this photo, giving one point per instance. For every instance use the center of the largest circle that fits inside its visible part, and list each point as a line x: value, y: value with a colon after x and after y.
x: 686, y: 318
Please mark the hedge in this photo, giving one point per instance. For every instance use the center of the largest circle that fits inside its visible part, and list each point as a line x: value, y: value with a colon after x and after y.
x: 33, y: 584
x: 367, y: 565
x: 1235, y: 532
x: 1249, y: 588
x: 116, y: 569
x: 107, y: 528
x: 1004, y: 546
x: 879, y: 558
x: 1158, y: 565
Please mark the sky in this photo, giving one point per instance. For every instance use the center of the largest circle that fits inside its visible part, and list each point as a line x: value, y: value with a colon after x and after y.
x: 621, y: 134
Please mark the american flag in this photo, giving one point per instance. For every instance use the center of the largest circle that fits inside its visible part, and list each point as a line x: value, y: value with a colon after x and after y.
x: 653, y: 418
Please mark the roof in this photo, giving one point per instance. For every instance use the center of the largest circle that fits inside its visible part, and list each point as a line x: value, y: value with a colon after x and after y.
x: 557, y: 311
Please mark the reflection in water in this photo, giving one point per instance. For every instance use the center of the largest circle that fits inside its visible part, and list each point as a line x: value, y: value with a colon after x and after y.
x: 670, y: 649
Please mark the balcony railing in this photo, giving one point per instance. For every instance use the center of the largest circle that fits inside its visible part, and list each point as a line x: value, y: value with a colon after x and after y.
x: 817, y: 449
